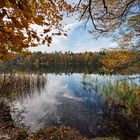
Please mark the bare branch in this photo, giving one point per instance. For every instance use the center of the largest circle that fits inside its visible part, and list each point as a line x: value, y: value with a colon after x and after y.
x: 104, y: 16
x: 79, y: 4
x: 92, y: 19
x: 106, y: 8
x: 84, y: 12
x: 127, y: 7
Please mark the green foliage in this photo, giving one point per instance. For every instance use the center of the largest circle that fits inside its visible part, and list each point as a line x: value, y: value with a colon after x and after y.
x: 116, y: 92
x: 121, y: 93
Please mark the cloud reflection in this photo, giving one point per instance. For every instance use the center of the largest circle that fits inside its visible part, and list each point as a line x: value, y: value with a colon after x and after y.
x: 44, y: 106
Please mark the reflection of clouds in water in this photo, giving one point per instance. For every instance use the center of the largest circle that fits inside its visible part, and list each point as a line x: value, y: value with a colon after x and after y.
x: 72, y: 101
x: 44, y: 105
x: 71, y: 97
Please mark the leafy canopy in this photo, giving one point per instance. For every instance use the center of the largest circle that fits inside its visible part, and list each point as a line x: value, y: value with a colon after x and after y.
x: 17, y: 18
x: 108, y: 15
x: 115, y: 60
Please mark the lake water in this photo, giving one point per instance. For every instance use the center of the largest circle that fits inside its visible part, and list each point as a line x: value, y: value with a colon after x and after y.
x: 95, y: 105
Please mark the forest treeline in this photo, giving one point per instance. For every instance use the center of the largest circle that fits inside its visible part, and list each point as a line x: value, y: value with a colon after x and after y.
x: 105, y: 60
x: 59, y: 58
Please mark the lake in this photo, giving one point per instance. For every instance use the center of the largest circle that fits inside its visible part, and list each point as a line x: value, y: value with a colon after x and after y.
x: 95, y: 105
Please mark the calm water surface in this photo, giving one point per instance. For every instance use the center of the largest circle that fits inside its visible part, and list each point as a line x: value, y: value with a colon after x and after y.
x: 89, y: 103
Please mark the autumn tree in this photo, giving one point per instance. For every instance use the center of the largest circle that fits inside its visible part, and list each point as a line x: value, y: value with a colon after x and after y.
x: 117, y: 18
x: 19, y: 19
x: 107, y: 16
x: 118, y: 59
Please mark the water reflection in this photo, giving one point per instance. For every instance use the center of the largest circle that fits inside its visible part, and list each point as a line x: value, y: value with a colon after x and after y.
x: 54, y: 69
x: 18, y: 86
x: 96, y: 105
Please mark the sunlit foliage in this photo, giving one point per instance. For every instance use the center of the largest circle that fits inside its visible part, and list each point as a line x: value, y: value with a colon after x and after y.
x: 118, y: 59
x: 19, y: 19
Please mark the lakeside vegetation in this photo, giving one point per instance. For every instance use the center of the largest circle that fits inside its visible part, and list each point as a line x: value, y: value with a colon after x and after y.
x: 106, y: 61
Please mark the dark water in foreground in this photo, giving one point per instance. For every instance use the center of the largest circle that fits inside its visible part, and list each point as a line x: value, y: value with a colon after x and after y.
x: 96, y: 105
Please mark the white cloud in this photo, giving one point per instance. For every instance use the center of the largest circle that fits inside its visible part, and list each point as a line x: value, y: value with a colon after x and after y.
x: 45, y: 104
x: 59, y: 41
x: 78, y: 40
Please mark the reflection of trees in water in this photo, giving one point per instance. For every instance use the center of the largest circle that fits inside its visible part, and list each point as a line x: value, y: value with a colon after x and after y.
x: 122, y: 115
x: 21, y: 85
x: 54, y: 69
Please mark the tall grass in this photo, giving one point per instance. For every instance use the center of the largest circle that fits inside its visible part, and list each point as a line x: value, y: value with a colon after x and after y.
x: 115, y: 90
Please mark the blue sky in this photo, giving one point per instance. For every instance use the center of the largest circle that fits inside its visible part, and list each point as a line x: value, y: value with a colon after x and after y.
x: 78, y: 39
